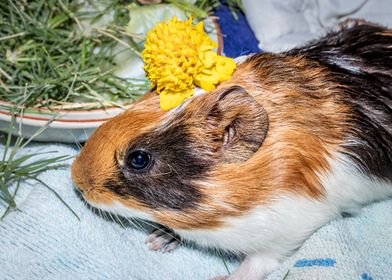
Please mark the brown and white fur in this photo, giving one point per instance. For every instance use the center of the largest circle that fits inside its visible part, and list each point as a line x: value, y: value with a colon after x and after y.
x: 259, y: 164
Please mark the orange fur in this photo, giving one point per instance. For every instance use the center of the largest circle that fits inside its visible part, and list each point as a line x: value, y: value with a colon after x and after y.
x: 292, y: 90
x: 96, y: 163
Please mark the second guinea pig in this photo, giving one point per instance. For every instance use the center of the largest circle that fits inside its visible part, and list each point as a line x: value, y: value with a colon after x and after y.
x: 259, y: 164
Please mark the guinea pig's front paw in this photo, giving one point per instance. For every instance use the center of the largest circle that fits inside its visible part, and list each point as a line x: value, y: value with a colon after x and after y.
x: 254, y: 267
x: 163, y: 240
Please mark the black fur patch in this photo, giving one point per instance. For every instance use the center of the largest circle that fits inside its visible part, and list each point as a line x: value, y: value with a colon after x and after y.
x: 360, y: 57
x: 168, y: 182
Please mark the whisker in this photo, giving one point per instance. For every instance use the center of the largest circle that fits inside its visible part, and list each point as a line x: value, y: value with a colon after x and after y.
x: 136, y: 225
x: 99, y: 213
x: 163, y: 231
x: 118, y: 220
x: 77, y: 142
x: 103, y: 215
x: 140, y: 226
x: 172, y: 169
x: 111, y: 218
x: 107, y: 217
x: 165, y: 173
x: 85, y: 133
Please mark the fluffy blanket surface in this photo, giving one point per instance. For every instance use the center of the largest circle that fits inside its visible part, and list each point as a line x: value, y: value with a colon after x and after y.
x: 284, y: 24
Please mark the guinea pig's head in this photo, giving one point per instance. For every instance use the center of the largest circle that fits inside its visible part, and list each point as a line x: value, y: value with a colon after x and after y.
x: 171, y: 167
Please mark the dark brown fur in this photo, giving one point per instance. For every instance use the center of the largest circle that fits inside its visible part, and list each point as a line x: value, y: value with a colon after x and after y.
x: 359, y: 57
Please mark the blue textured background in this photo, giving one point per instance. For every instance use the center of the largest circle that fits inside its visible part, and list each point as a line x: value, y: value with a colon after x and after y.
x: 238, y: 38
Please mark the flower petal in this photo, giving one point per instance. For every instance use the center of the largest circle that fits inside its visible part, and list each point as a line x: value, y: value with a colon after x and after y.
x: 169, y: 100
x: 225, y: 66
x: 178, y: 55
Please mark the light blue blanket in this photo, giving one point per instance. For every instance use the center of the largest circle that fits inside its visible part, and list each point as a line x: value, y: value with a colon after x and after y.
x: 45, y: 241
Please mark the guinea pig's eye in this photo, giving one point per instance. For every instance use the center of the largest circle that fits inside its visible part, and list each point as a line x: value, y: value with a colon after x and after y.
x: 138, y: 160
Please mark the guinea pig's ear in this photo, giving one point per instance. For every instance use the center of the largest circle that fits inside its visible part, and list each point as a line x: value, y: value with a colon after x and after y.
x: 239, y: 122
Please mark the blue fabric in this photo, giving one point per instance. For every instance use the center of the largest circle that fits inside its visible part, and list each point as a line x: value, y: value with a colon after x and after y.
x: 238, y: 37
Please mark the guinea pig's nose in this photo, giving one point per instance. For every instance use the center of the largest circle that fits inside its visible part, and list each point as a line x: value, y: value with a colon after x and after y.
x: 81, y: 181
x: 83, y: 187
x: 79, y: 185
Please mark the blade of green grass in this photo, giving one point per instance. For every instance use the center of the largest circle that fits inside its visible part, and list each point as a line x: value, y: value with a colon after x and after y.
x: 55, y: 193
x: 14, y: 169
x: 40, y: 41
x: 10, y: 206
x: 286, y: 275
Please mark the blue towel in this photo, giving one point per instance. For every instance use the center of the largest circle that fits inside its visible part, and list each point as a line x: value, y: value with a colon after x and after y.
x: 238, y: 37
x: 44, y: 240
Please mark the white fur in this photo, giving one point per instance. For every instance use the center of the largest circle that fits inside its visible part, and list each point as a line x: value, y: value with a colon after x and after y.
x: 172, y: 113
x: 241, y: 59
x: 271, y: 232
x: 348, y: 188
x: 120, y: 209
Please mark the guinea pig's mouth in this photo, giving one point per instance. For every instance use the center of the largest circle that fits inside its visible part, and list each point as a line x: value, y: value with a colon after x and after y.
x: 79, y: 192
x: 116, y: 207
x: 122, y: 210
x: 84, y: 189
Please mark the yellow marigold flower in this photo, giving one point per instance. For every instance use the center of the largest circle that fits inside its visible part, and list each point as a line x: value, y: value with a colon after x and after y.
x: 177, y: 56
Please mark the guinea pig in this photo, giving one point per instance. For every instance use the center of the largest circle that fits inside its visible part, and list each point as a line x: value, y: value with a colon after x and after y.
x: 257, y: 165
